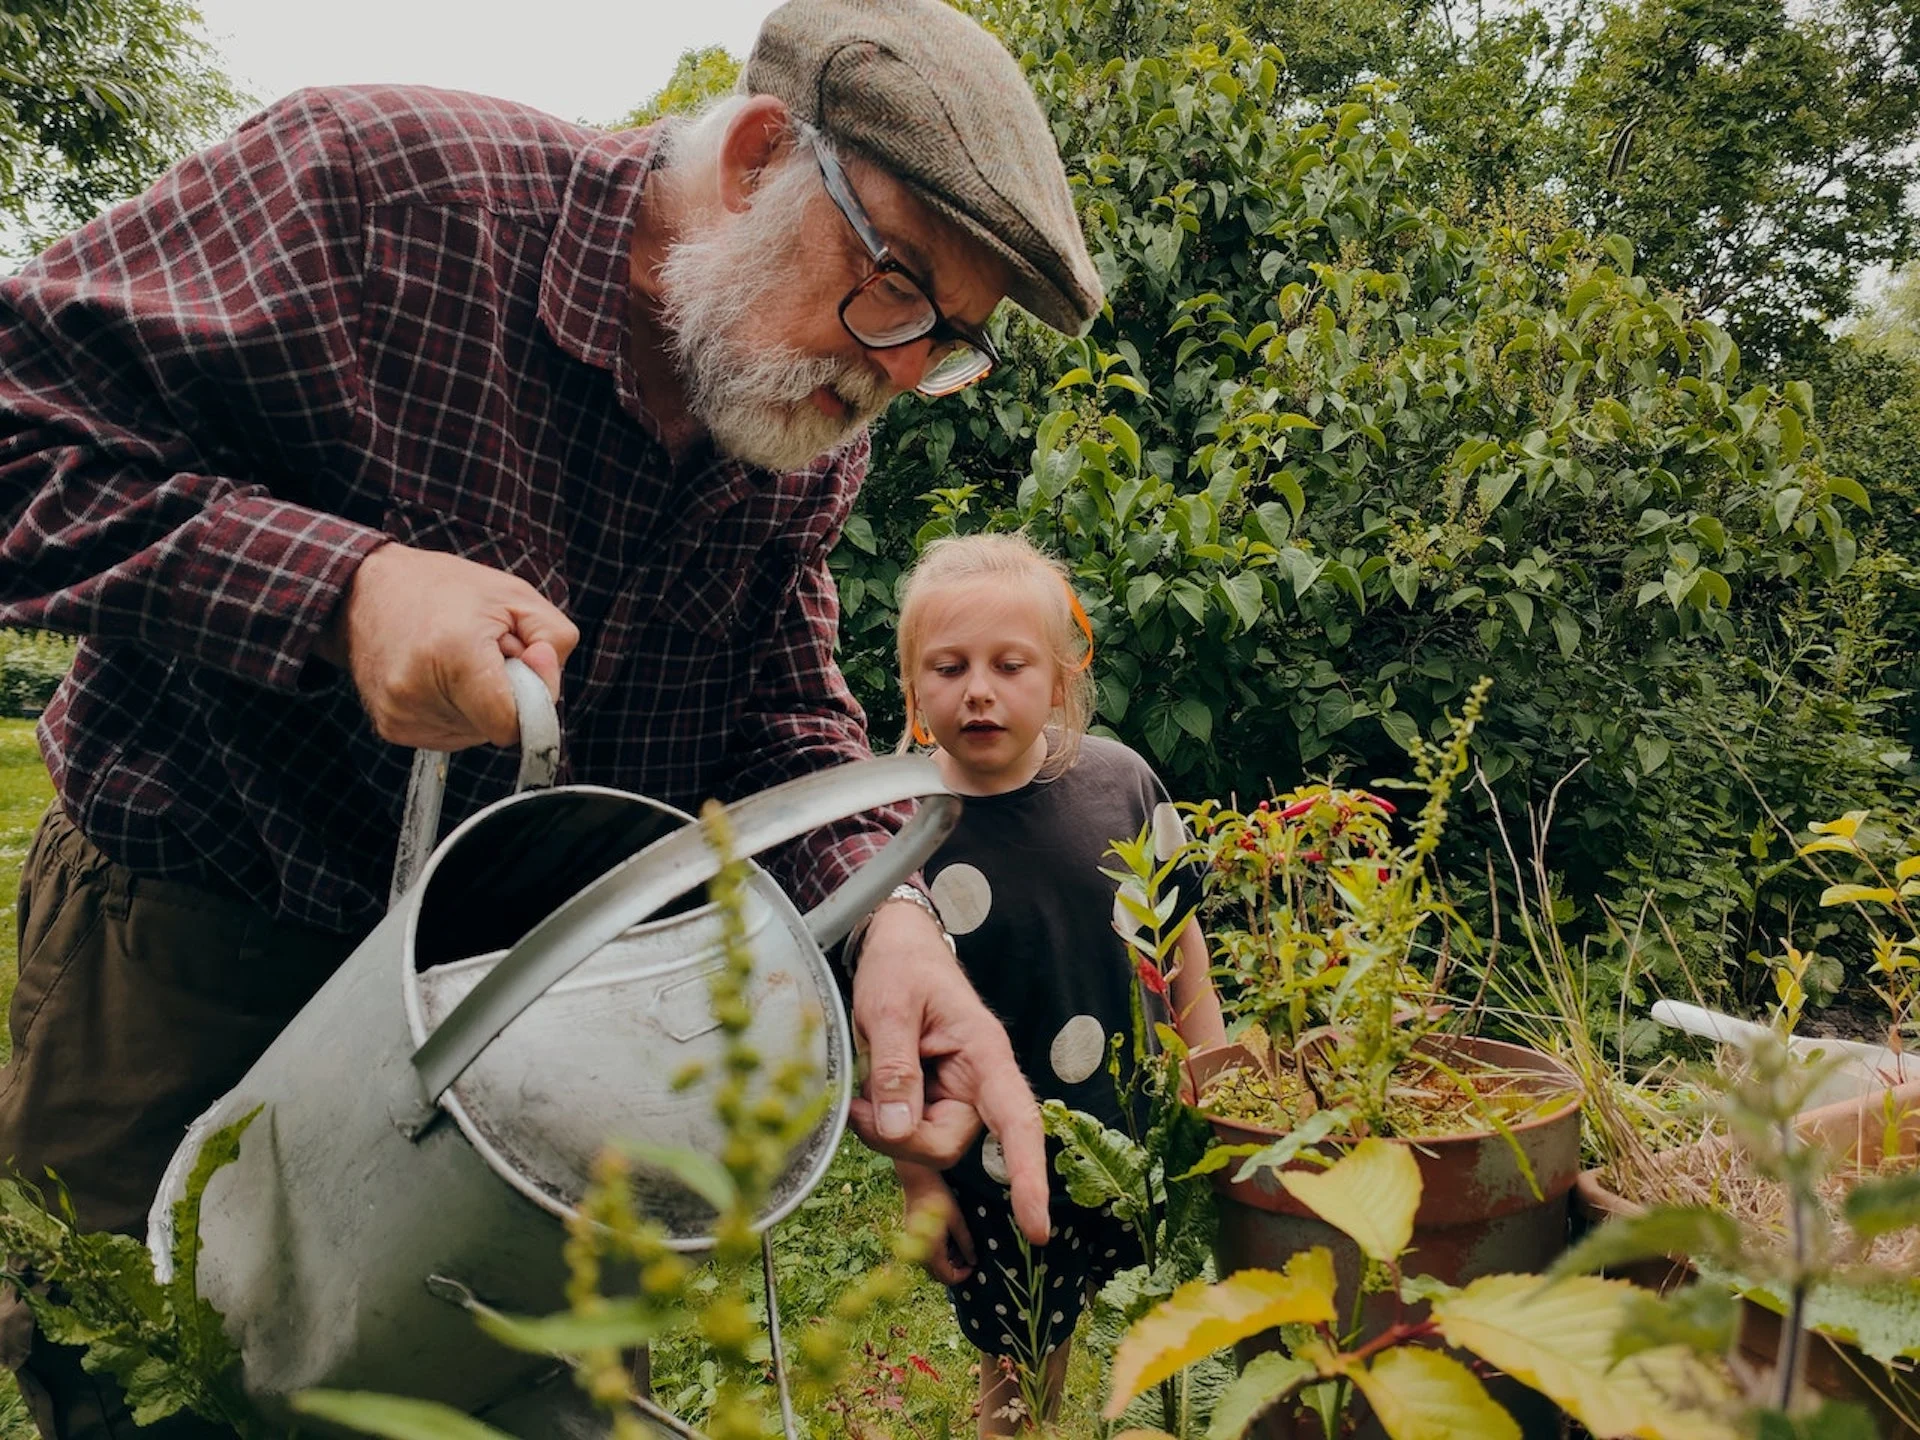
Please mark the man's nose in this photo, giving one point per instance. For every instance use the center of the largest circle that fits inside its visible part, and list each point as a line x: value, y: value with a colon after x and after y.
x: 905, y: 365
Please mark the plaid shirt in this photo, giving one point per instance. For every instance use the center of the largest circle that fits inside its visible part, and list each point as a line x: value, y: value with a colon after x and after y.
x: 385, y: 313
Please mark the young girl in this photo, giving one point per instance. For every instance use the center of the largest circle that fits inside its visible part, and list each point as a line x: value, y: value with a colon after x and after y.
x: 994, y: 664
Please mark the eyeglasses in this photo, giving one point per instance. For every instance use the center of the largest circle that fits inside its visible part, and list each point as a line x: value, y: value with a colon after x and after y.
x: 893, y: 306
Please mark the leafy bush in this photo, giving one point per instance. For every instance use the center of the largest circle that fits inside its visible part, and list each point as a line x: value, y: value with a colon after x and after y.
x: 1335, y: 452
x: 32, y: 665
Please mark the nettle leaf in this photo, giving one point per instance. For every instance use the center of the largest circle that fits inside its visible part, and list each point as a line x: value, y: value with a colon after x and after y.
x: 1200, y: 1318
x: 393, y: 1417
x: 1879, y: 1207
x: 1704, y: 1318
x: 1880, y: 1315
x: 1267, y: 1379
x: 1559, y: 1338
x: 1421, y: 1394
x: 1668, y: 1230
x: 699, y: 1172
x: 1370, y: 1194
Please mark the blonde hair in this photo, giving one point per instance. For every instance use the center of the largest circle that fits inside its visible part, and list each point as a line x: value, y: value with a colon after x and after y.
x: 1005, y: 559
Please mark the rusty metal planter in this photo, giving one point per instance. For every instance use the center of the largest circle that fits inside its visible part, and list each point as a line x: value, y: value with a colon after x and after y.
x: 1835, y: 1368
x: 1478, y: 1214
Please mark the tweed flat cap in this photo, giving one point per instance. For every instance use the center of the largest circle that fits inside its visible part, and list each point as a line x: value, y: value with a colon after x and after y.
x: 925, y: 93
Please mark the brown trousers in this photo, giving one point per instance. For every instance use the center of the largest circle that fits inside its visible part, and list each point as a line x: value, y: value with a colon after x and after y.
x: 140, y: 1003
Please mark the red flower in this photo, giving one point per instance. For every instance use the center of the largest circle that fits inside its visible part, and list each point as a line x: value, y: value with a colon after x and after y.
x: 1150, y: 976
x: 1299, y: 808
x: 924, y: 1368
x: 1384, y: 806
x: 1313, y: 857
x: 1264, y: 805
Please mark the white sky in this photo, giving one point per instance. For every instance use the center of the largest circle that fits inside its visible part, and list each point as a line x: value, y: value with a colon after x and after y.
x: 590, y: 60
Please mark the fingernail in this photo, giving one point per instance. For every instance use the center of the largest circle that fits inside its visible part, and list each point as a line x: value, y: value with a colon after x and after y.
x: 896, y: 1121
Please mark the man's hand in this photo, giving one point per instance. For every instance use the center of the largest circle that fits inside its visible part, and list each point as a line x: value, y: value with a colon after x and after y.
x: 951, y: 1260
x: 912, y: 1003
x: 423, y: 634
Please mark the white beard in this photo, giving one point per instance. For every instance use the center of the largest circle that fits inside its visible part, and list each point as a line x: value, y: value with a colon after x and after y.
x: 752, y: 395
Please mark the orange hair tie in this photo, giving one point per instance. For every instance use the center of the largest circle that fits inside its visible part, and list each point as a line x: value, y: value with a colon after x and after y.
x: 919, y: 734
x: 1086, y: 625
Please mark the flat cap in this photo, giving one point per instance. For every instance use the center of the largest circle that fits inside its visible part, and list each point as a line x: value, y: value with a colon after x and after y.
x: 928, y: 95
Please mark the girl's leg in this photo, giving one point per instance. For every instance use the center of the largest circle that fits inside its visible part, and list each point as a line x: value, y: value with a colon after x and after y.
x: 1000, y: 1388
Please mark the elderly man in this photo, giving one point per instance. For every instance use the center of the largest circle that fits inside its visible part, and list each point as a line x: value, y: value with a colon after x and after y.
x: 396, y: 382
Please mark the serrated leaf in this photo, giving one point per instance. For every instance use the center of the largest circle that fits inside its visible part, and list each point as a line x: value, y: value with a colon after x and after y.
x: 1267, y: 1379
x: 1559, y: 1338
x: 1879, y: 1207
x: 1853, y: 894
x: 393, y: 1417
x: 1370, y: 1194
x: 1200, y: 1318
x: 1881, y: 1315
x: 1421, y: 1394
x: 1667, y: 1230
x: 1703, y: 1318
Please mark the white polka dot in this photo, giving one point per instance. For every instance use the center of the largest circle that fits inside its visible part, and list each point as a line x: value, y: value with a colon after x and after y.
x: 1006, y: 1339
x: 1076, y: 1242
x: 1125, y: 923
x: 993, y: 1160
x: 981, y: 1211
x: 966, y: 1294
x: 1078, y: 1049
x: 1058, y: 1281
x: 993, y: 1244
x: 1112, y: 1253
x: 963, y: 897
x: 999, y: 1309
x: 1058, y: 1317
x: 1169, y: 831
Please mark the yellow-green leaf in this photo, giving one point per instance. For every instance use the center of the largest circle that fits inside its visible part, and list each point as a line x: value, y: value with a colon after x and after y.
x: 1828, y: 842
x: 1421, y: 1394
x: 1558, y: 1338
x: 1199, y: 1318
x: 1371, y: 1194
x: 1853, y: 894
x: 1844, y: 827
x: 1907, y: 868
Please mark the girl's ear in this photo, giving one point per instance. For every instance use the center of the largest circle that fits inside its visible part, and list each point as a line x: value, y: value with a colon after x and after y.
x: 1059, y: 686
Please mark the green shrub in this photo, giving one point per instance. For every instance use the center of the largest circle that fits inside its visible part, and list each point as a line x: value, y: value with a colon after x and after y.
x: 1336, y: 452
x: 32, y: 665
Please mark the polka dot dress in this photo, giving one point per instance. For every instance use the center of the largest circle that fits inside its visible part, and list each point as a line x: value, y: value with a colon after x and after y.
x: 1042, y: 933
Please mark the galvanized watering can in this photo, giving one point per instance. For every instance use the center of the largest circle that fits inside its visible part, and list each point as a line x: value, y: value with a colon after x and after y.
x: 428, y: 1120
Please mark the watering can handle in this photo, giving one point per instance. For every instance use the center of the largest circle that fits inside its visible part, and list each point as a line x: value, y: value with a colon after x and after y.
x: 639, y: 886
x: 427, y: 785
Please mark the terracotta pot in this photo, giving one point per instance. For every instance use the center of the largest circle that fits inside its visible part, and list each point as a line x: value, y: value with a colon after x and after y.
x: 1852, y: 1129
x: 1478, y: 1213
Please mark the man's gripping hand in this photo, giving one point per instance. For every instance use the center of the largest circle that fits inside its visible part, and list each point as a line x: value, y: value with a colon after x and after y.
x: 423, y: 635
x: 912, y: 1006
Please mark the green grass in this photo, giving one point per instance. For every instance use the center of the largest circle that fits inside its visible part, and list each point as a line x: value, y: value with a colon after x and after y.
x: 24, y: 793
x: 839, y: 1233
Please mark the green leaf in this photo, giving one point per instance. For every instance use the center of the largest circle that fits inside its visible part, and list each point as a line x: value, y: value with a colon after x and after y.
x: 1244, y: 594
x: 695, y: 1169
x: 1401, y: 728
x: 1879, y: 1207
x: 1200, y: 1318
x: 1522, y: 607
x: 1122, y: 433
x: 1421, y: 1394
x: 1079, y: 375
x: 1651, y: 751
x: 1559, y: 1338
x: 1855, y: 894
x: 614, y: 1325
x: 1566, y: 631
x: 1371, y: 1194
x: 1192, y: 715
x: 1703, y: 1318
x: 1687, y: 1230
x: 1102, y: 1167
x: 392, y: 1416
x: 1852, y: 491
x: 1282, y: 1152
x: 1267, y: 1379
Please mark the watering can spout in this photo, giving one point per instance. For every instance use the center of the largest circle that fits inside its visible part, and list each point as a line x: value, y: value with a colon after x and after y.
x: 1853, y: 1067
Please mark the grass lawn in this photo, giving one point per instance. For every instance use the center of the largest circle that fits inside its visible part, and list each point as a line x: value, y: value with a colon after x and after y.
x: 841, y: 1232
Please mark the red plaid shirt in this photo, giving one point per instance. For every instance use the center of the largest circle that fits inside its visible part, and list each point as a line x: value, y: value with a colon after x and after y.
x: 384, y: 313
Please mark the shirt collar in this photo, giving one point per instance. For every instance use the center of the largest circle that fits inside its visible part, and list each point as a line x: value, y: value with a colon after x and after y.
x: 585, y: 285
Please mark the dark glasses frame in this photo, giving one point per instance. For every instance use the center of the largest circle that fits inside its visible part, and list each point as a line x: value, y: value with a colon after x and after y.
x: 941, y: 328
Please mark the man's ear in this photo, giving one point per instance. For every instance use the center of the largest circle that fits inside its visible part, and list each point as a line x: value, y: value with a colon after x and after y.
x: 756, y: 137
